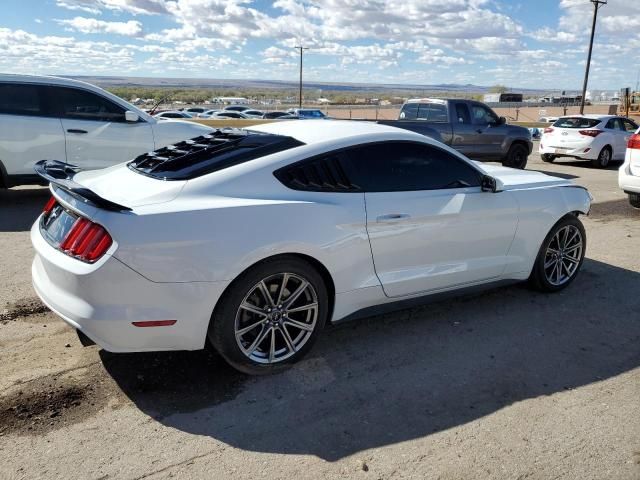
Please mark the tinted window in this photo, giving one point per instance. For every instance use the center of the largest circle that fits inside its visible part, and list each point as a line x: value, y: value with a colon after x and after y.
x: 83, y: 105
x: 614, y: 124
x: 576, y: 122
x: 409, y: 111
x: 462, y: 113
x: 404, y: 166
x: 209, y: 153
x: 629, y: 126
x: 20, y: 99
x: 324, y: 173
x: 482, y: 115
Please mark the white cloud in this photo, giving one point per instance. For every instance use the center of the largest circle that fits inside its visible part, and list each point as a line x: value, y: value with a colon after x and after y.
x: 96, y: 7
x: 132, y: 28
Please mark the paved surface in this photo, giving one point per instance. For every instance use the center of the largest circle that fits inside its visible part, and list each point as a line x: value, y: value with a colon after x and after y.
x: 506, y: 384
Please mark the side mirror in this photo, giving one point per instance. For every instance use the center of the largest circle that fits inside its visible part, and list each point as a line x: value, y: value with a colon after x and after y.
x: 130, y: 116
x: 502, y: 120
x: 488, y: 184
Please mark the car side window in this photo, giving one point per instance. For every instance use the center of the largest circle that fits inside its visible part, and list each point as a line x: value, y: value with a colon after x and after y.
x: 629, y: 126
x: 462, y: 114
x: 482, y: 115
x: 82, y: 105
x: 407, y: 166
x: 20, y: 99
x: 613, y: 124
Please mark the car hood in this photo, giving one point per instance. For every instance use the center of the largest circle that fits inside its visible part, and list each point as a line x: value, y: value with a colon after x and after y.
x: 514, y: 179
x: 121, y: 185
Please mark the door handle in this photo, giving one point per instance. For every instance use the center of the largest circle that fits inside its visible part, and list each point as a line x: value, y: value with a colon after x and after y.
x: 76, y: 130
x: 479, y: 130
x: 390, y: 217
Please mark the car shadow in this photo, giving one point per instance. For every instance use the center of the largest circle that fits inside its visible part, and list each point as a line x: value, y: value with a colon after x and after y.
x: 613, y: 164
x: 401, y: 376
x: 19, y: 207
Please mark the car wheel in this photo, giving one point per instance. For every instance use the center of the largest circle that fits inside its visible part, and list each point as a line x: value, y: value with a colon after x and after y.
x: 270, y: 316
x: 516, y: 157
x: 547, y: 157
x: 603, y: 158
x: 560, y: 256
x: 634, y: 200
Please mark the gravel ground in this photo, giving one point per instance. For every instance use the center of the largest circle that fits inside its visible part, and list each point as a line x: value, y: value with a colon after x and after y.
x: 507, y: 384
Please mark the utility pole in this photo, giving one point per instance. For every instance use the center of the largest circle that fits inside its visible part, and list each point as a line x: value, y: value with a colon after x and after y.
x: 596, y: 6
x: 301, y: 48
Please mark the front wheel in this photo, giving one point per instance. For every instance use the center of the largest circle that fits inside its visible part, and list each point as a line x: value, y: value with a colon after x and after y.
x: 547, y: 157
x: 560, y: 256
x: 517, y: 156
x: 270, y: 316
x: 634, y: 200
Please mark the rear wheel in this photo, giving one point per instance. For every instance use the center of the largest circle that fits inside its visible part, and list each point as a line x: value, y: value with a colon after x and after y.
x: 270, y: 316
x: 604, y: 157
x: 517, y: 156
x: 547, y: 157
x: 560, y: 256
x: 634, y: 200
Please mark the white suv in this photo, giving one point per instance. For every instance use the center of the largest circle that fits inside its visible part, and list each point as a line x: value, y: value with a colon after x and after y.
x: 629, y: 173
x: 75, y: 122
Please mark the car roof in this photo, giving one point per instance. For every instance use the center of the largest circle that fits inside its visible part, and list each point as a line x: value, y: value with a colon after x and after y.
x: 316, y: 131
x: 594, y: 116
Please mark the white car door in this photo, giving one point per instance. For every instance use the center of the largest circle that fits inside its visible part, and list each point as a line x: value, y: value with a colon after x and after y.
x: 28, y: 133
x: 97, y: 134
x: 617, y: 135
x: 430, y: 225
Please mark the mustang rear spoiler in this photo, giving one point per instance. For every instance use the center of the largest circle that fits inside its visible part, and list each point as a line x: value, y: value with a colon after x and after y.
x: 61, y: 175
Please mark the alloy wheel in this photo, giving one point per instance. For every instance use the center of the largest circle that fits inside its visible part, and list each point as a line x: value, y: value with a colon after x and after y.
x: 276, y: 318
x: 563, y: 255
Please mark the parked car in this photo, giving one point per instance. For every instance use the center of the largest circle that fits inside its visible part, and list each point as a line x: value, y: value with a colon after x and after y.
x: 599, y: 138
x: 283, y: 115
x: 254, y: 239
x: 307, y: 113
x: 253, y: 113
x: 75, y: 122
x: 173, y: 114
x: 208, y: 113
x: 470, y: 127
x: 236, y: 108
x: 548, y: 119
x: 629, y: 173
x: 228, y: 114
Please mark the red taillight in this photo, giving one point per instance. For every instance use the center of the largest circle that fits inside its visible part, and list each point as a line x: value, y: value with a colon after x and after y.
x: 86, y: 240
x: 590, y: 133
x: 634, y: 141
x: 547, y: 130
x: 49, y: 205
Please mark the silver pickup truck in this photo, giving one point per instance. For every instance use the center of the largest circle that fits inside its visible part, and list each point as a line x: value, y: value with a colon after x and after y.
x: 470, y: 127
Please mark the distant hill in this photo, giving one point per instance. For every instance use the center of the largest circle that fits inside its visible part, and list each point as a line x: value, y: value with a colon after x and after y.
x: 284, y: 85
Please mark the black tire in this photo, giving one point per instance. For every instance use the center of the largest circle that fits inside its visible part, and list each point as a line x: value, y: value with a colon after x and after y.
x: 604, y: 157
x: 539, y: 277
x: 547, y: 157
x: 222, y: 327
x: 634, y: 200
x: 517, y: 156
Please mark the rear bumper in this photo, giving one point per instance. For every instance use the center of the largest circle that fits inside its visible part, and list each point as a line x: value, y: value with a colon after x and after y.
x: 627, y: 181
x: 102, y: 300
x: 578, y: 152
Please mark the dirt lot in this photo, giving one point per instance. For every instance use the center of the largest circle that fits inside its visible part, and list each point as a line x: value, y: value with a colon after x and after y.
x: 508, y: 384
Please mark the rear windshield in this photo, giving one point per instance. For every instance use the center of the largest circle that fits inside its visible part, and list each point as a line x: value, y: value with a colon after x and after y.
x: 576, y: 122
x: 433, y: 112
x: 210, y: 153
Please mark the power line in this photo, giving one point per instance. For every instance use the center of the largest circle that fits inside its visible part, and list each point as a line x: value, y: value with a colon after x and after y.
x: 596, y: 6
x: 301, y: 48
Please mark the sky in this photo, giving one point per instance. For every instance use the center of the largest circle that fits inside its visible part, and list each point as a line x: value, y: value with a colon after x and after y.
x: 521, y: 44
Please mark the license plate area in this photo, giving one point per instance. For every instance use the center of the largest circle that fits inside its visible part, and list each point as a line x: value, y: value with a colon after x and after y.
x: 56, y: 224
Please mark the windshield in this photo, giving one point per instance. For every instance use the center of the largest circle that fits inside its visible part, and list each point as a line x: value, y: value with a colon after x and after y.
x: 576, y: 122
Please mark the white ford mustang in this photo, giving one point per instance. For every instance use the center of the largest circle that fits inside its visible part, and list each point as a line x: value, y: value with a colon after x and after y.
x: 254, y: 239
